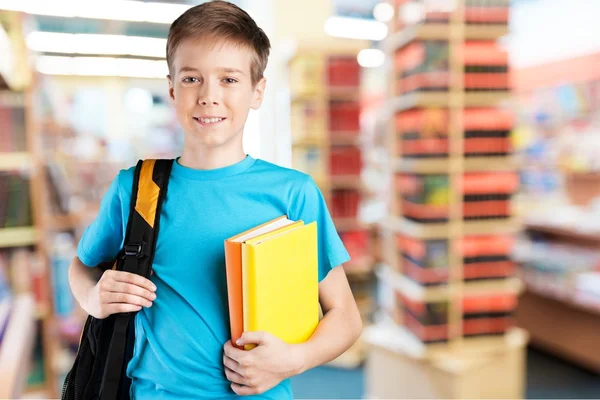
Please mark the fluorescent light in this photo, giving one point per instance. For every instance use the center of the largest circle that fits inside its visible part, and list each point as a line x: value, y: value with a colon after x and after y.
x: 412, y: 13
x: 371, y: 58
x: 68, y: 43
x: 383, y: 12
x: 118, y: 10
x: 355, y: 28
x: 102, y: 66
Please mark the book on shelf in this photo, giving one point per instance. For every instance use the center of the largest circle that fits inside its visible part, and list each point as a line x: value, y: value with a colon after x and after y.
x: 15, y: 204
x: 12, y: 120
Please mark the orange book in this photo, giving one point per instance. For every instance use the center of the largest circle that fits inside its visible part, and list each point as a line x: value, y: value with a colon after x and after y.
x: 233, y: 267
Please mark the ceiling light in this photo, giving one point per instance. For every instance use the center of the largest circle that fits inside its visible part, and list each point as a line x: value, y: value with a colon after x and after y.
x: 102, y: 66
x: 371, y: 58
x: 383, y: 12
x: 68, y: 43
x: 118, y: 10
x: 355, y: 28
x: 412, y: 12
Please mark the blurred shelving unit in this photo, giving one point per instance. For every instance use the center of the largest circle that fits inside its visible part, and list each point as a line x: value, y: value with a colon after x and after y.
x: 557, y: 293
x: 325, y: 118
x: 30, y: 339
x: 448, y: 288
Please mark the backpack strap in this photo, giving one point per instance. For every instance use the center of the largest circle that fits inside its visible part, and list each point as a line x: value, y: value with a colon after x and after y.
x: 148, y: 193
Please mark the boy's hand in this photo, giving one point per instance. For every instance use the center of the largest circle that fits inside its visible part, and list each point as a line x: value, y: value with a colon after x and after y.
x: 262, y: 368
x: 119, y: 292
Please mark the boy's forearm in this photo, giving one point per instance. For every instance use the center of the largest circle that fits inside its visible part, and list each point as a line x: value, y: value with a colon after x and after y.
x: 82, y: 279
x: 336, y: 332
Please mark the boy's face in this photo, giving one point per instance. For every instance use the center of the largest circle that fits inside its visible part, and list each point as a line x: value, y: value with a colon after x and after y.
x: 212, y: 91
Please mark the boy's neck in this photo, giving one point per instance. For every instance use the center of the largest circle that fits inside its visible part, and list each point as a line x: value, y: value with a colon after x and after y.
x: 210, y: 158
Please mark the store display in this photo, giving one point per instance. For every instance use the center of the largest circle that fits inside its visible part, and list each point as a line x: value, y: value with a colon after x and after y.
x: 427, y: 198
x: 423, y: 133
x: 484, y: 258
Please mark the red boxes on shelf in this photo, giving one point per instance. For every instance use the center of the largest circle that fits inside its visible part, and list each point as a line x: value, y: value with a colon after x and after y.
x: 343, y: 72
x: 345, y: 160
x: 484, y: 257
x: 426, y: 198
x: 490, y: 314
x: 423, y: 133
x: 344, y: 116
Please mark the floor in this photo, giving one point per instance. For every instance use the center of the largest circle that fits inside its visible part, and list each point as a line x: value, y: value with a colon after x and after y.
x: 547, y: 378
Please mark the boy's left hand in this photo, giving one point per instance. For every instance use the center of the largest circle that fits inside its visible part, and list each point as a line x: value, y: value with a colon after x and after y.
x: 262, y: 368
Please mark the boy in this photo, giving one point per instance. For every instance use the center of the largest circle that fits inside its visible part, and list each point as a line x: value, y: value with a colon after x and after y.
x: 216, y: 55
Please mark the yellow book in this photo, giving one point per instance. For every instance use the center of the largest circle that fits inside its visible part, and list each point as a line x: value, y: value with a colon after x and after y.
x: 281, y: 284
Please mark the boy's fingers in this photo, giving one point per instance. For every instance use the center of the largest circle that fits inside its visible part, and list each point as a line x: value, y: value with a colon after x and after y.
x: 134, y: 279
x: 232, y: 352
x: 128, y: 299
x: 121, y: 287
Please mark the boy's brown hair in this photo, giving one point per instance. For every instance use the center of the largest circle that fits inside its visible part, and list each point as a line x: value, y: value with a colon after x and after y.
x: 221, y: 21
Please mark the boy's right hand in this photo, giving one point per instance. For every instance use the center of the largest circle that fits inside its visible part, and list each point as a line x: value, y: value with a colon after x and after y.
x: 119, y: 292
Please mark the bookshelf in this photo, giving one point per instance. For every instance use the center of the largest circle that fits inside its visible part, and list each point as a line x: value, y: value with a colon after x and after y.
x: 448, y: 278
x: 23, y: 242
x: 325, y: 118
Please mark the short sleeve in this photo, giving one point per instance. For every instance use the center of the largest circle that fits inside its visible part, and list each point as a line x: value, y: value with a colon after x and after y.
x: 309, y: 206
x: 103, y: 239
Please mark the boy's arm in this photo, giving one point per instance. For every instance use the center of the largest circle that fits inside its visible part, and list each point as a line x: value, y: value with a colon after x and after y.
x: 262, y: 368
x: 341, y: 324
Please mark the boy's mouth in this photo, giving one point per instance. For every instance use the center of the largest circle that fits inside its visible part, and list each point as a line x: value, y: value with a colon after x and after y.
x: 208, y: 121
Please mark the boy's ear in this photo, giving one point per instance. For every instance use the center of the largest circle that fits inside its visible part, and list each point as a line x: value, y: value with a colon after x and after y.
x: 171, y: 89
x: 259, y: 94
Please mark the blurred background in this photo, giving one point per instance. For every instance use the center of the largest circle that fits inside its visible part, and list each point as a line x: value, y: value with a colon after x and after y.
x: 457, y: 143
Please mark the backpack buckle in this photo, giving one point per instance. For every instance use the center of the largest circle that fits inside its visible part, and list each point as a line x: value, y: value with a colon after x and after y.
x: 134, y: 249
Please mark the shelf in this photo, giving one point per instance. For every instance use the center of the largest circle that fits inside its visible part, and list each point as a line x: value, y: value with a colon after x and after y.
x: 344, y: 138
x: 17, y: 237
x: 308, y: 142
x: 445, y: 99
x: 346, y: 182
x: 442, y: 231
x: 559, y: 328
x: 418, y: 292
x: 566, y: 233
x: 16, y: 348
x: 348, y: 224
x: 306, y: 97
x: 14, y: 161
x: 399, y: 339
x: 350, y: 93
x: 439, y: 31
x: 470, y: 164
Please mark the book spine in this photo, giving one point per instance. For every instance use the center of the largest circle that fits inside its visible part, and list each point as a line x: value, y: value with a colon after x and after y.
x: 249, y: 291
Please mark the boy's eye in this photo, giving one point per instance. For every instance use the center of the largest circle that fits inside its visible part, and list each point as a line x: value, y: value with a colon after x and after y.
x: 229, y: 80
x: 190, y: 79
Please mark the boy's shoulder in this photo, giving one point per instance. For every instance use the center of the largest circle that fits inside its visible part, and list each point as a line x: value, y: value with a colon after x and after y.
x: 277, y: 172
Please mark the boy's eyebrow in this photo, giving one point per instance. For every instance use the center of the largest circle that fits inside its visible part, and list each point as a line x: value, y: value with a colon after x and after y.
x: 232, y: 70
x: 224, y: 69
x: 188, y: 69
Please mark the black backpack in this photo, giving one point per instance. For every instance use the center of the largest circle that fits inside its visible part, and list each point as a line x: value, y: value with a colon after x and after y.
x: 106, y: 345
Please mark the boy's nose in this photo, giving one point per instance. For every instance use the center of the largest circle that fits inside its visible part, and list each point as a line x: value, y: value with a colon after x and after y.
x: 207, y: 102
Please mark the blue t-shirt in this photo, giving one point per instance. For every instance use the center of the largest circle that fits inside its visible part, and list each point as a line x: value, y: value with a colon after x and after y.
x: 179, y: 340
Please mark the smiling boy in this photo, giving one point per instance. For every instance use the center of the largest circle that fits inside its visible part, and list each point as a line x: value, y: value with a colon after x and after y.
x: 216, y: 55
